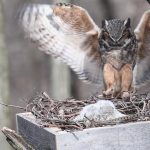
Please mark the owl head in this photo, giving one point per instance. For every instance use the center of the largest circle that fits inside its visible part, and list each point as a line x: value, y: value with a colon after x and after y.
x: 116, y: 31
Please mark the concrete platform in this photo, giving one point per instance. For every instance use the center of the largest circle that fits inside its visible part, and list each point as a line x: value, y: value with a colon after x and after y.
x: 131, y: 136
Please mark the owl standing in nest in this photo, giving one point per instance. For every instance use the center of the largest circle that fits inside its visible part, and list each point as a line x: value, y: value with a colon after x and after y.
x: 114, y: 53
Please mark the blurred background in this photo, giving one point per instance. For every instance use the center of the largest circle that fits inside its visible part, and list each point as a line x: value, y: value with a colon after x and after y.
x: 25, y: 71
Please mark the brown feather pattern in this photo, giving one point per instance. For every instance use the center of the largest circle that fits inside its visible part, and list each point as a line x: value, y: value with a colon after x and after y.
x: 68, y: 33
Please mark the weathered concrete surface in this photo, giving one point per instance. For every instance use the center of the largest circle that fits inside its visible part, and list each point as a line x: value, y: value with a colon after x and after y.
x: 131, y: 136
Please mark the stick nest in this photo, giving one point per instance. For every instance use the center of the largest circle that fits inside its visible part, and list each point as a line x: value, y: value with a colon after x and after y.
x: 56, y: 113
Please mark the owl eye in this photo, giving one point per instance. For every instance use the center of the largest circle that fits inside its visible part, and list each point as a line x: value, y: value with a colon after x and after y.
x: 106, y: 35
x: 125, y: 34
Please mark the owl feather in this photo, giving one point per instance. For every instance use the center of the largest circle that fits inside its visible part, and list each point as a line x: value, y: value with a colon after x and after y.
x: 142, y: 32
x: 66, y: 32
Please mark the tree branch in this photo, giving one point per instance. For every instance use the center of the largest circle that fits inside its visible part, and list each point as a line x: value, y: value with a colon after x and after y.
x: 15, y: 140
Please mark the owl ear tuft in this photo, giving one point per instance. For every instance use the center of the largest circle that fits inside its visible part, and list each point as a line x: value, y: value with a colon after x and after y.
x: 104, y: 23
x: 127, y: 23
x: 148, y: 1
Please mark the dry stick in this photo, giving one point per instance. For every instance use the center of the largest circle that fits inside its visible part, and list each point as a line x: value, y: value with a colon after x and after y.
x: 144, y: 106
x: 100, y: 123
x: 13, y: 106
x: 70, y: 126
x: 69, y: 116
x: 15, y: 140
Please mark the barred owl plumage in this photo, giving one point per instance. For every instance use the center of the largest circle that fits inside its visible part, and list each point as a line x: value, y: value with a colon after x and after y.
x: 68, y: 33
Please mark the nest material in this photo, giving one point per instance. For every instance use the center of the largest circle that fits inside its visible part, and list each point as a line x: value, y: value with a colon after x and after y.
x: 54, y: 113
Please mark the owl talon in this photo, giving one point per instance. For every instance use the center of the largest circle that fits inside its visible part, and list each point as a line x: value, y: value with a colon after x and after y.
x: 59, y: 4
x: 125, y: 95
x: 64, y: 4
x: 108, y: 93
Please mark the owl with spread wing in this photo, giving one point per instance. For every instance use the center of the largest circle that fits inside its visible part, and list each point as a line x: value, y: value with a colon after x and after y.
x: 112, y: 55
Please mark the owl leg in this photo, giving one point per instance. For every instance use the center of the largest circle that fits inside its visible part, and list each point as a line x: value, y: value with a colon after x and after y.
x: 126, y: 78
x: 109, y: 74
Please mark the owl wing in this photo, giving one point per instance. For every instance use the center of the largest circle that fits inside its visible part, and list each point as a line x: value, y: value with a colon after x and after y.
x: 66, y: 32
x: 142, y: 32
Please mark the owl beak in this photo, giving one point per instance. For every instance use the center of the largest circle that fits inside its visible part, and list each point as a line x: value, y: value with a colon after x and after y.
x: 115, y: 41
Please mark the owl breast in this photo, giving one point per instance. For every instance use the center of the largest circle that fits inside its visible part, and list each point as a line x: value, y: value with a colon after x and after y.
x: 116, y: 58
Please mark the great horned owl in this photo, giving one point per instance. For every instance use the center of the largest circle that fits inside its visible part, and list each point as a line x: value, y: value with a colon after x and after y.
x: 113, y: 51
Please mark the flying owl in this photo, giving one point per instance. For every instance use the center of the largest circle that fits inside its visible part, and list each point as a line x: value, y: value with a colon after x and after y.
x: 112, y: 55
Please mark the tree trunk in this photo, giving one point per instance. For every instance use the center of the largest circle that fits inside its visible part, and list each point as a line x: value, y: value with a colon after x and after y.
x: 4, y: 86
x: 60, y: 80
x: 59, y: 76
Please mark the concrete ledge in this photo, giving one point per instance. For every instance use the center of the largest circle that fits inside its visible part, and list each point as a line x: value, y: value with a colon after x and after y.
x: 131, y: 136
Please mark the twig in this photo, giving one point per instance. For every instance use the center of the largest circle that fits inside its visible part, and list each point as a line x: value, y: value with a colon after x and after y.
x: 12, y: 106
